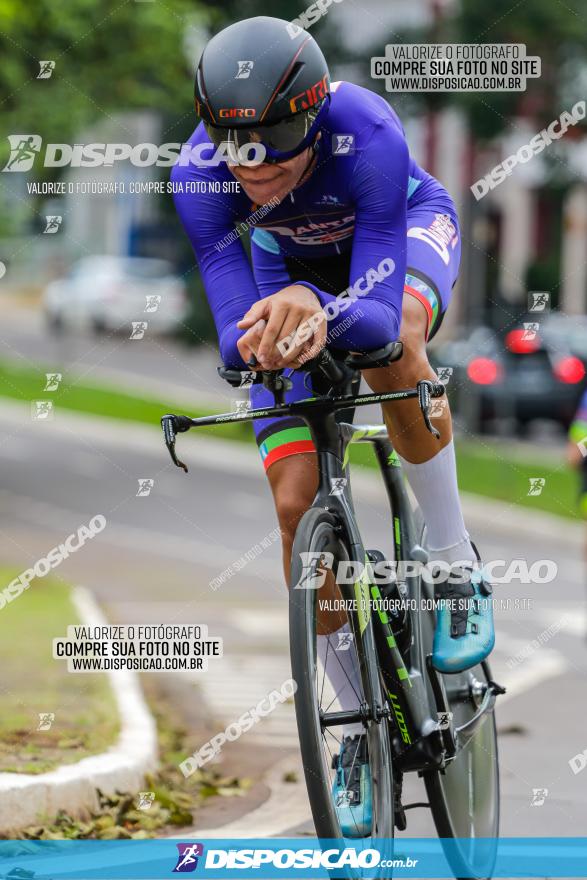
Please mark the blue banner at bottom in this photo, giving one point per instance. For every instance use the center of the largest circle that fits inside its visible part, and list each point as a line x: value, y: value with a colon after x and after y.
x: 261, y: 858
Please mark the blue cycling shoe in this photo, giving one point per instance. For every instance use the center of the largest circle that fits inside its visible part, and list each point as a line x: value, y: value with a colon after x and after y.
x: 464, y: 634
x: 352, y: 787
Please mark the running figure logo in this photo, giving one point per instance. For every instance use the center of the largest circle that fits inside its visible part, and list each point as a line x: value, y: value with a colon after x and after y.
x: 444, y: 374
x: 188, y: 857
x: 343, y: 144
x: 53, y: 223
x: 46, y: 719
x: 138, y: 329
x: 53, y: 381
x: 46, y: 69
x: 538, y: 301
x: 530, y: 331
x: 244, y: 69
x: 537, y: 484
x: 345, y: 640
x: 42, y: 409
x: 153, y: 301
x: 23, y: 149
x: 539, y: 795
x: 444, y: 719
x: 315, y: 567
x: 145, y: 800
x: 145, y: 486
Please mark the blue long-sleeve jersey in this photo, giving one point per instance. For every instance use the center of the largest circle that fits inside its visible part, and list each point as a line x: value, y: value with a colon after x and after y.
x: 356, y: 199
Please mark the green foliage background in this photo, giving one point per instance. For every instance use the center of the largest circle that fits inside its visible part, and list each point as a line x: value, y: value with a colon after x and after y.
x: 113, y: 57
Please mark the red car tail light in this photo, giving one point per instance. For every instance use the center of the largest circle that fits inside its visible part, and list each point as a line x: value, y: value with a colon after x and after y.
x: 518, y: 342
x: 569, y: 370
x: 484, y: 371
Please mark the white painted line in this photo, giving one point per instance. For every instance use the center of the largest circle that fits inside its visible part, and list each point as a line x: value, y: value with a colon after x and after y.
x: 24, y: 798
x: 540, y: 666
x: 214, y: 556
x: 574, y: 619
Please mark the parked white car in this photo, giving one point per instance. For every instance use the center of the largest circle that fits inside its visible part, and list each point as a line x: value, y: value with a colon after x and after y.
x: 110, y: 293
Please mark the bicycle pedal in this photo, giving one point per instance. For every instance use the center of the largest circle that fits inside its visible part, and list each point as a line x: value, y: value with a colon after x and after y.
x: 496, y: 688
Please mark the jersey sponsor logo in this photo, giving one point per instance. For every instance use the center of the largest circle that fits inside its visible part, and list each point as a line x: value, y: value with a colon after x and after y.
x: 327, y: 199
x: 440, y: 235
x: 317, y: 233
x: 233, y: 112
x: 310, y: 97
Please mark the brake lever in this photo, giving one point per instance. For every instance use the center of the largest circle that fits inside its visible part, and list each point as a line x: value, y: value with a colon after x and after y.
x: 173, y: 425
x: 426, y: 391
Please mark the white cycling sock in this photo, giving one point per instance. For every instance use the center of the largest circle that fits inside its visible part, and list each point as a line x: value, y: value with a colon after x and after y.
x: 434, y: 483
x: 342, y: 671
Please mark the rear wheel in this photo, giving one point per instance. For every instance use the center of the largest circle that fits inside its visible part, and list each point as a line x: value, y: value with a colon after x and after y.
x: 315, y: 700
x: 464, y: 799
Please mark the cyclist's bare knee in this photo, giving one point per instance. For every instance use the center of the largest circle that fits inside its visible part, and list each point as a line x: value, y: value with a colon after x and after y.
x: 293, y: 481
x: 413, y: 364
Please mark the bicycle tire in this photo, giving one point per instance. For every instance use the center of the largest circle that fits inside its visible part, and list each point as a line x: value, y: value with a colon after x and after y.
x: 317, y: 533
x: 454, y: 794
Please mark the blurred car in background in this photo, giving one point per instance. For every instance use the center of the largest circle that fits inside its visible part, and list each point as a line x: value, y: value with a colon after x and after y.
x: 110, y: 293
x: 519, y: 375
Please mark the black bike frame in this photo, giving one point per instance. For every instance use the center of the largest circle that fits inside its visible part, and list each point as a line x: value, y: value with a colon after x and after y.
x: 419, y: 743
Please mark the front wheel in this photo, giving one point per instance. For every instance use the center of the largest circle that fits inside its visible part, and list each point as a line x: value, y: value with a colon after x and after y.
x: 464, y: 798
x: 317, y: 536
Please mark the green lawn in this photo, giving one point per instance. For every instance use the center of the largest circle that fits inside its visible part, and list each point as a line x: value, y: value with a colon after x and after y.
x: 26, y: 384
x: 486, y: 467
x: 86, y: 718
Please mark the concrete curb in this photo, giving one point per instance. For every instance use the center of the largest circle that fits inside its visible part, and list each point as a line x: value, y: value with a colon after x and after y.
x: 27, y: 799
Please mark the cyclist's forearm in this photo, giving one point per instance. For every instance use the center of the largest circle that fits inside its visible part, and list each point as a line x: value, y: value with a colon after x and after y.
x: 227, y: 344
x: 357, y: 323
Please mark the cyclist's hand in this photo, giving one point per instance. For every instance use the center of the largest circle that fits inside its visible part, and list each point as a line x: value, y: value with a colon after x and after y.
x: 295, y: 324
x: 249, y: 342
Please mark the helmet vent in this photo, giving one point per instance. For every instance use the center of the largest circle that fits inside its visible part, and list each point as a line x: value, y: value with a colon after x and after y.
x: 200, y: 84
x: 290, y: 81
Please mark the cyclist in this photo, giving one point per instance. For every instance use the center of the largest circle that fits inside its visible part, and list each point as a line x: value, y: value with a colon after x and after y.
x: 339, y: 204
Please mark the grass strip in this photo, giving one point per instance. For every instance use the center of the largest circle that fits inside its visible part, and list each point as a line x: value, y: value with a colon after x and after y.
x: 81, y: 715
x: 486, y: 467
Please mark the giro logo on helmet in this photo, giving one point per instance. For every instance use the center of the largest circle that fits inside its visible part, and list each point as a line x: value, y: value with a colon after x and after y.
x: 311, y: 96
x: 232, y: 112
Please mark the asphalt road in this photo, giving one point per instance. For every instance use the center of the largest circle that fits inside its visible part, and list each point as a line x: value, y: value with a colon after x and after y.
x: 164, y: 367
x: 159, y: 552
x: 152, y: 365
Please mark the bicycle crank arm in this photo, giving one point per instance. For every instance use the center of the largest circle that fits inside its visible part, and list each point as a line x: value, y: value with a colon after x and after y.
x: 442, y: 708
x: 490, y: 692
x: 466, y: 731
